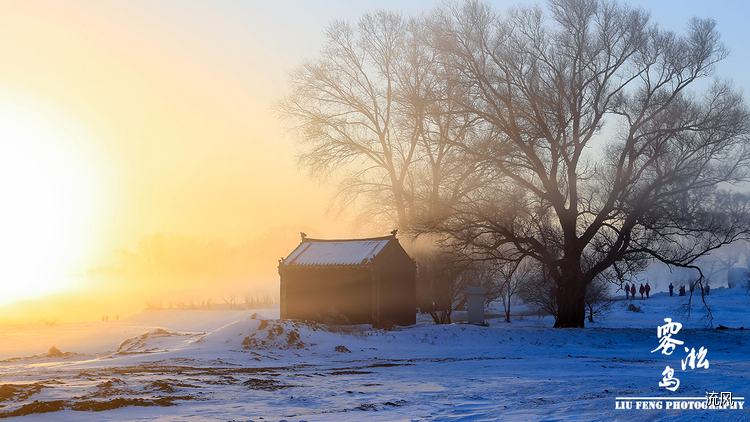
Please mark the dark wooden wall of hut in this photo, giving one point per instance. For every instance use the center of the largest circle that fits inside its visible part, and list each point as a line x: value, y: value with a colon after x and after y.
x: 316, y: 293
x: 398, y: 288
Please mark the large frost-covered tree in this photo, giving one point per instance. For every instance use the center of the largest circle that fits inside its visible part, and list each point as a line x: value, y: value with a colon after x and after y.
x: 607, y: 153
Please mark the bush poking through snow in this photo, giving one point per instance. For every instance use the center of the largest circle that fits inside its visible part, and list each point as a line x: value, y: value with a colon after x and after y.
x: 270, y: 335
x: 633, y: 308
x: 342, y: 349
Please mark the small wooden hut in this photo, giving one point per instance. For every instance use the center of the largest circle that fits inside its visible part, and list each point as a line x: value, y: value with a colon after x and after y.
x: 353, y: 281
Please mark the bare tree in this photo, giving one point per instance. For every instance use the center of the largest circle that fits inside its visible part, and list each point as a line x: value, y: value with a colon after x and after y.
x: 540, y: 292
x: 510, y: 278
x: 719, y: 263
x: 441, y: 283
x: 603, y: 151
x: 598, y: 299
x: 229, y: 300
x: 374, y: 109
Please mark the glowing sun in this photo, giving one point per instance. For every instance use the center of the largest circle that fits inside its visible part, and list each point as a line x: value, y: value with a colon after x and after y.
x: 45, y: 203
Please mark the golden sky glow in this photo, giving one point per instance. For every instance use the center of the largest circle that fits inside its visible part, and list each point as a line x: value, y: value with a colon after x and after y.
x: 118, y: 122
x: 126, y: 119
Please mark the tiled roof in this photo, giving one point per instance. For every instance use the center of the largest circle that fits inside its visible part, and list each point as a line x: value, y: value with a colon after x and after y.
x: 312, y: 252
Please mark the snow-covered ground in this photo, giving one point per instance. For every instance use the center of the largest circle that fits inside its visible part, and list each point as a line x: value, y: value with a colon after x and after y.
x: 247, y: 365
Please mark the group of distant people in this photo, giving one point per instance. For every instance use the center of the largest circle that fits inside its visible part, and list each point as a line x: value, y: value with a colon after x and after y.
x: 704, y: 289
x: 106, y: 318
x: 630, y: 290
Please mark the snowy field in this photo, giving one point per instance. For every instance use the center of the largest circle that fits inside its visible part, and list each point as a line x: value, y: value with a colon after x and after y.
x: 176, y: 365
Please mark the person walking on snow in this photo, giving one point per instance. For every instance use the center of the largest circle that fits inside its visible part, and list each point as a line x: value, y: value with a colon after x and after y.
x: 627, y: 291
x: 648, y: 289
x: 641, y: 290
x: 632, y: 291
x: 671, y: 289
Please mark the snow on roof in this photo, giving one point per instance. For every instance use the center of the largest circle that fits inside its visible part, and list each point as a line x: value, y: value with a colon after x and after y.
x: 313, y: 252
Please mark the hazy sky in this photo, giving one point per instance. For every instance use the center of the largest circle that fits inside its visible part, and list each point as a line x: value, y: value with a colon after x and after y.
x: 121, y: 119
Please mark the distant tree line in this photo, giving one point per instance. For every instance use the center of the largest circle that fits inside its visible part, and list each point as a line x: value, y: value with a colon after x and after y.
x: 188, y: 272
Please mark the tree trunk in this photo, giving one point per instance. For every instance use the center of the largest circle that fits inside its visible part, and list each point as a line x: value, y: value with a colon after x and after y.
x: 571, y: 304
x: 403, y: 220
